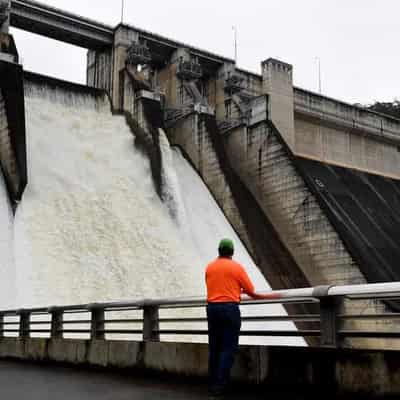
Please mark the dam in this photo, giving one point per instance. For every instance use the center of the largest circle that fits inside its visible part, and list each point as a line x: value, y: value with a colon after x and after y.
x: 119, y: 189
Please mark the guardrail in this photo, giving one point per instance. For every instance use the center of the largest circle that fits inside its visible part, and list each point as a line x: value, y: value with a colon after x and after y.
x: 55, y: 321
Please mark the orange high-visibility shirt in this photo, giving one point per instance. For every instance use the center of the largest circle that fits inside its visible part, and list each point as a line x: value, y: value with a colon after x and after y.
x: 226, y: 280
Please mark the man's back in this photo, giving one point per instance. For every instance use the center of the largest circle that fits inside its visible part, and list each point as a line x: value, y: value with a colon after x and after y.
x: 225, y: 280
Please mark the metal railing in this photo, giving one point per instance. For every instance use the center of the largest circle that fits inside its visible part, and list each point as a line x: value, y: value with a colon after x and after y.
x: 55, y: 322
x: 189, y: 70
x: 138, y: 53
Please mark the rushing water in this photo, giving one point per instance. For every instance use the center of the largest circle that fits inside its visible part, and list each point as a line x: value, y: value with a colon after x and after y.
x: 7, y: 270
x: 91, y: 227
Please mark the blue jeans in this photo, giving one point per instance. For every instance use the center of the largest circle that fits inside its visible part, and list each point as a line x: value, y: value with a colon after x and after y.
x: 224, y: 323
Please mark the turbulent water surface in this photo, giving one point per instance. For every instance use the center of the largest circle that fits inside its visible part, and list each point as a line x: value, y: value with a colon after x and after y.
x: 7, y: 270
x: 90, y: 226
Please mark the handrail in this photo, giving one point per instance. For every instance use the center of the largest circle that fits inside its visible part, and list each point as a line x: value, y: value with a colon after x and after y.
x: 301, y: 295
x: 329, y: 319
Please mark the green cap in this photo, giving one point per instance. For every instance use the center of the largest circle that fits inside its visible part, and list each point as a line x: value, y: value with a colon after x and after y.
x: 226, y: 244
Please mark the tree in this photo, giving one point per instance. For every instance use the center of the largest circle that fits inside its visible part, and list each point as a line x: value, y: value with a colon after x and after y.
x: 388, y: 108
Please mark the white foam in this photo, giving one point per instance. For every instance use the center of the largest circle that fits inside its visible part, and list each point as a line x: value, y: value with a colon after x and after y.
x: 90, y: 226
x: 7, y: 271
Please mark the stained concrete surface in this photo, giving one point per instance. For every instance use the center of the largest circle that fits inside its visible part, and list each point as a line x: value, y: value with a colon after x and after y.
x: 21, y: 380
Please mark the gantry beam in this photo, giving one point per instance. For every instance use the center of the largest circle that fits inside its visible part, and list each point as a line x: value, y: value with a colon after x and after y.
x: 58, y: 24
x: 35, y: 17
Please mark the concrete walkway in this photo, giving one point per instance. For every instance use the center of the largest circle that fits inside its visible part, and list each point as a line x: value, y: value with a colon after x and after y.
x: 25, y: 381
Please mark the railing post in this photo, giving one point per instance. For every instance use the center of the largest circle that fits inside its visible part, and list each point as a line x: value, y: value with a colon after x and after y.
x: 24, y: 323
x: 56, y: 323
x: 150, y: 323
x: 329, y: 322
x: 329, y: 311
x: 97, y: 322
x: 1, y: 325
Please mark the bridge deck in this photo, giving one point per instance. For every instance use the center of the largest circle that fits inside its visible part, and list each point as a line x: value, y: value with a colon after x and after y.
x: 25, y: 381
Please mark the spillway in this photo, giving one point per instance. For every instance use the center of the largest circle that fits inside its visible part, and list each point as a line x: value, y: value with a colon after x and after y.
x: 91, y: 226
x: 7, y: 270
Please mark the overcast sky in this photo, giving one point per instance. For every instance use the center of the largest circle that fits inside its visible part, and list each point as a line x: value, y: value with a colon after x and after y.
x: 356, y: 40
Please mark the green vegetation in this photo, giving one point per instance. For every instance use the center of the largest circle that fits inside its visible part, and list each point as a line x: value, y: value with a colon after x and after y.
x: 392, y: 109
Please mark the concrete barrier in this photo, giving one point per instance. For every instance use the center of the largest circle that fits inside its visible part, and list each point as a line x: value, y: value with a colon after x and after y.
x: 345, y: 371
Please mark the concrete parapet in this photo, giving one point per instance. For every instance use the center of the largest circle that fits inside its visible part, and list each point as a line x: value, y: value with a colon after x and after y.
x: 338, y: 371
x: 68, y: 351
x: 343, y: 115
x: 123, y: 354
x: 343, y: 134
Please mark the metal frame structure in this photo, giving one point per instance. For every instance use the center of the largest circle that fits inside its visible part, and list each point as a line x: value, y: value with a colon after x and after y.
x: 25, y: 322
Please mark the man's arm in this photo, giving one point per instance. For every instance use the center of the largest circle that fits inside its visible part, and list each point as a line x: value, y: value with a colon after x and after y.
x: 269, y: 296
x: 248, y: 288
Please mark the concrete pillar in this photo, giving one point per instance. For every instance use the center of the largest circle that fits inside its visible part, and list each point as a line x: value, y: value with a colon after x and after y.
x: 123, y: 38
x: 227, y: 70
x: 5, y: 38
x: 173, y: 86
x: 182, y: 54
x: 5, y: 6
x: 278, y: 84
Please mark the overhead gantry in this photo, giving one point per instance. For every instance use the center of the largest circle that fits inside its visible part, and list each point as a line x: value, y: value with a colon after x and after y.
x: 60, y: 25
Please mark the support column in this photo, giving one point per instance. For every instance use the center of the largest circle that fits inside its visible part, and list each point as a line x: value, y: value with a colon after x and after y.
x: 221, y: 96
x: 8, y: 50
x: 124, y: 37
x: 2, y: 325
x: 6, y: 41
x: 5, y: 6
x: 278, y: 84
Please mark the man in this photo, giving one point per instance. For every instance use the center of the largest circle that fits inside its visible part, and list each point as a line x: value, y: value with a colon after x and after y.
x: 226, y: 281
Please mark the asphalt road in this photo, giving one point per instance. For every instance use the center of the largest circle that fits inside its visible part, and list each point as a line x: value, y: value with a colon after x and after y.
x: 26, y: 381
